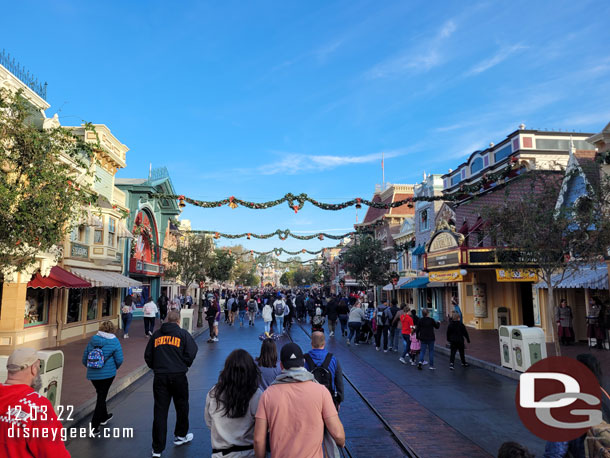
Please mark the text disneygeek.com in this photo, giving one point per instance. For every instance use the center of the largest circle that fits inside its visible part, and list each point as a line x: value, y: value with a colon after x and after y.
x: 65, y: 434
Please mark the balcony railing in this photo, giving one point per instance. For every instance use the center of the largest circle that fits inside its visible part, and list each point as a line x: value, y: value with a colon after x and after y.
x: 23, y: 75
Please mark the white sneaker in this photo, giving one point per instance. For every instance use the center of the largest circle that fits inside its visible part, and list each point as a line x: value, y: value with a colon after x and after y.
x: 385, y: 351
x: 412, y: 363
x: 424, y: 363
x: 402, y: 360
x: 432, y: 368
x: 377, y: 348
x: 156, y: 455
x: 126, y: 336
x: 215, y: 339
x: 183, y: 440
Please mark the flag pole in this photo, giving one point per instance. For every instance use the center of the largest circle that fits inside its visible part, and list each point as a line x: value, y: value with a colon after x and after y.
x: 382, y: 173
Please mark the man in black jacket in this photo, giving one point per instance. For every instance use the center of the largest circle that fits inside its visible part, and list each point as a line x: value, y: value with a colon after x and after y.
x: 162, y: 303
x: 425, y: 334
x: 169, y: 353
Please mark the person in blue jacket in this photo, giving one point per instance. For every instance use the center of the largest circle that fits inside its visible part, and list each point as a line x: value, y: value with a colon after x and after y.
x: 315, y: 358
x: 102, y: 372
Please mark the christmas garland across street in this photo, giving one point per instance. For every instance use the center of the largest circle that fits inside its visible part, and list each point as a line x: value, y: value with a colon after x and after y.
x: 282, y: 234
x: 279, y: 251
x: 297, y: 201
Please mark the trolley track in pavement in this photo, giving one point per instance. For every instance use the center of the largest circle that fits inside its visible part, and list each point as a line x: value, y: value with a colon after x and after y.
x: 347, y: 450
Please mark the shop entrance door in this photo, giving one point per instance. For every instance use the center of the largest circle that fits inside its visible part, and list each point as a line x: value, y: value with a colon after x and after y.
x: 527, y: 303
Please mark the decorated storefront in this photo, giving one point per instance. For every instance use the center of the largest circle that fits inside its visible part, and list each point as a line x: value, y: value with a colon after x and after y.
x: 488, y: 295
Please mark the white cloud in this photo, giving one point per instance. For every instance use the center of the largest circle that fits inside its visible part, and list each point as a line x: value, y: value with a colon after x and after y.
x: 293, y: 164
x: 496, y: 59
x: 425, y: 57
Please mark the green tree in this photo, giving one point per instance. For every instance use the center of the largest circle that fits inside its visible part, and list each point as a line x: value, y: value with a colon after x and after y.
x: 43, y: 175
x: 221, y: 266
x: 191, y: 260
x: 531, y: 232
x: 287, y: 278
x: 367, y: 261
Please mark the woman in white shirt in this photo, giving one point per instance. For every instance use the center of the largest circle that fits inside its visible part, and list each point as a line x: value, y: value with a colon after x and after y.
x: 150, y: 311
x: 267, y: 317
x: 230, y: 407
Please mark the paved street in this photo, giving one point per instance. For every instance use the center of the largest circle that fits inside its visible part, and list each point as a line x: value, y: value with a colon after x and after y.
x: 442, y: 413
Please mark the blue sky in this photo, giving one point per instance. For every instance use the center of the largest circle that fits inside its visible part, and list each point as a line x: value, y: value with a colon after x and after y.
x: 257, y: 99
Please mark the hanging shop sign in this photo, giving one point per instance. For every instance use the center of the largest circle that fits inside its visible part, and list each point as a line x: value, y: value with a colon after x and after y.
x: 479, y: 293
x: 443, y: 241
x: 446, y: 276
x: 506, y: 275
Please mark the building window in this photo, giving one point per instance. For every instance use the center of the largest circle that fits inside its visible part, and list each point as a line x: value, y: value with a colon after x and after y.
x: 455, y: 179
x: 75, y: 297
x: 92, y: 305
x: 476, y: 166
x: 107, y: 302
x: 37, y: 307
x: 502, y: 153
x: 98, y: 236
x: 424, y: 224
x: 111, y: 231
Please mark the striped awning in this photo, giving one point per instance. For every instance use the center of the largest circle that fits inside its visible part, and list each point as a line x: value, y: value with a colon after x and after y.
x: 587, y: 277
x: 105, y: 278
x: 57, y: 278
x: 122, y: 231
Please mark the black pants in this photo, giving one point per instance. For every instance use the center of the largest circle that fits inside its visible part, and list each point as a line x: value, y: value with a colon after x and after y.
x: 455, y: 347
x: 149, y: 324
x: 165, y: 388
x: 211, y: 326
x: 382, y: 330
x: 101, y: 413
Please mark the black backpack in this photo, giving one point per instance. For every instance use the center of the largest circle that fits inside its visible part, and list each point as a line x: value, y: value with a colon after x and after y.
x: 322, y: 373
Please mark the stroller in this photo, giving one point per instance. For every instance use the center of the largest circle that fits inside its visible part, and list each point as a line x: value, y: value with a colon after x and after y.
x: 365, y: 335
x: 317, y: 321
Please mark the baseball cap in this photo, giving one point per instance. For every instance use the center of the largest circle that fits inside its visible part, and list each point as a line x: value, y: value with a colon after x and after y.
x: 291, y: 356
x: 21, y: 358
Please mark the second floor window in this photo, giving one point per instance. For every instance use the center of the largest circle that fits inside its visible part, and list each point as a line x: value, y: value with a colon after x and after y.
x: 111, y: 231
x: 423, y: 220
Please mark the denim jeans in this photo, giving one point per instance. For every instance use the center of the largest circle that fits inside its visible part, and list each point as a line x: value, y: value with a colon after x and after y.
x: 279, y: 320
x: 242, y: 315
x: 354, y: 329
x: 343, y: 321
x: 149, y: 324
x: 127, y: 317
x: 382, y: 331
x: 394, y: 338
x: 407, y: 342
x: 267, y: 326
x: 429, y: 344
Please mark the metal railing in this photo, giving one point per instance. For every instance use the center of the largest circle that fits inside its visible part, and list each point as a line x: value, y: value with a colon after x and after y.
x: 22, y: 74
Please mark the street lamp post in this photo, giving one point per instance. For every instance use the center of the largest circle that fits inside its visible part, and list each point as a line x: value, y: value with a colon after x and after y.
x: 394, y: 277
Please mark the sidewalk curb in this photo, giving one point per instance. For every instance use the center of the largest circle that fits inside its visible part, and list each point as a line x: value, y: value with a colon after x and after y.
x: 482, y: 364
x: 87, y: 407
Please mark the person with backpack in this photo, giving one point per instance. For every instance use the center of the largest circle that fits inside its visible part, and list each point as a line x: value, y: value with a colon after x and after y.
x: 127, y: 314
x: 456, y: 333
x: 102, y: 357
x: 279, y: 308
x: 343, y: 314
x: 331, y: 313
x: 325, y: 367
x: 211, y: 315
x: 393, y: 325
x: 149, y: 311
x: 252, y: 310
x: 383, y: 316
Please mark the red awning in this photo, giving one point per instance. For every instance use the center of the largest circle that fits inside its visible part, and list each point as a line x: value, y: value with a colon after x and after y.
x: 58, y: 278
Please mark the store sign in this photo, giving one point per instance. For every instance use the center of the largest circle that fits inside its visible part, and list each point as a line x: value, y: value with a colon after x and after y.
x: 446, y: 276
x: 79, y: 251
x: 449, y: 259
x: 505, y: 275
x: 443, y: 241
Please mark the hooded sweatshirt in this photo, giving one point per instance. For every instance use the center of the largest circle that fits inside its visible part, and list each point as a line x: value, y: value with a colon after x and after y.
x: 23, y: 397
x: 170, y: 350
x: 113, y: 355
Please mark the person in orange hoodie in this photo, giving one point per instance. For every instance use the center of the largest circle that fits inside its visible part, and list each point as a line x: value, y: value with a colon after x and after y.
x: 23, y: 411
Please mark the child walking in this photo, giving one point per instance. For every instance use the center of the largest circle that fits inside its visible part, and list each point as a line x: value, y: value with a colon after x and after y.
x: 415, y: 347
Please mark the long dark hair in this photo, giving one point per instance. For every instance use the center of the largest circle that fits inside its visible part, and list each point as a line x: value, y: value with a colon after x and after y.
x: 268, y: 356
x: 237, y: 383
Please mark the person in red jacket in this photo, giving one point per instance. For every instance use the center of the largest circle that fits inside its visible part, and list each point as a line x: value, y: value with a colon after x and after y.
x: 28, y: 424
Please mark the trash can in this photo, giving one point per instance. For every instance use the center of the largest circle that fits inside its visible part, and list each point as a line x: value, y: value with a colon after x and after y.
x: 503, y: 316
x: 52, y: 374
x: 186, y: 319
x: 506, y: 353
x: 529, y: 347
